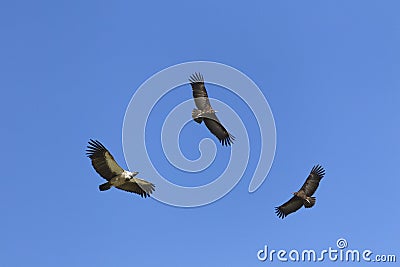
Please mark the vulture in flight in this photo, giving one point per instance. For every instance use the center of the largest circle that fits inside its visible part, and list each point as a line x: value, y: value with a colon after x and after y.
x: 105, y: 165
x: 205, y: 112
x: 304, y: 195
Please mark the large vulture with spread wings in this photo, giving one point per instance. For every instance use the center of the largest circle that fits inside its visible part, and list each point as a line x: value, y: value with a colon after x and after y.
x: 304, y: 195
x: 105, y: 165
x: 205, y: 112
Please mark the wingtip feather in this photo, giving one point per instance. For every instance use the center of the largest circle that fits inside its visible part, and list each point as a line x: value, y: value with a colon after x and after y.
x: 93, y: 147
x: 196, y: 77
x: 279, y: 213
x: 228, y: 141
x: 318, y: 170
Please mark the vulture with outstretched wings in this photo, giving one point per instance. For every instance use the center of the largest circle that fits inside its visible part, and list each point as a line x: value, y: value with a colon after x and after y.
x: 105, y: 165
x: 205, y: 112
x: 304, y: 195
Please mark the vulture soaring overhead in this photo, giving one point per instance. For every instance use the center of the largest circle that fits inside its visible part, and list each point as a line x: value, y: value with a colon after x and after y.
x: 304, y: 195
x: 105, y: 165
x: 204, y: 111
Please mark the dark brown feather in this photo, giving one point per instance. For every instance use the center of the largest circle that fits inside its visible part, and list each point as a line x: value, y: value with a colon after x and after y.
x: 102, y: 160
x: 312, y: 182
x: 203, y: 104
x: 216, y: 128
x: 199, y: 91
x: 288, y: 207
x: 138, y: 186
x: 305, y: 193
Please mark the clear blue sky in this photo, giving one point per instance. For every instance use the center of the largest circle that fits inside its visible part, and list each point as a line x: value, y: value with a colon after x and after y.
x: 329, y: 69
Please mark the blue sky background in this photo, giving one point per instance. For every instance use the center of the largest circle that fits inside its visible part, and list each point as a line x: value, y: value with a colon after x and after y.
x: 329, y: 69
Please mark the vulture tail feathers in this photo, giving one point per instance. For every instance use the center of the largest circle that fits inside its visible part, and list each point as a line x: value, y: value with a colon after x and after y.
x: 105, y: 186
x: 310, y: 203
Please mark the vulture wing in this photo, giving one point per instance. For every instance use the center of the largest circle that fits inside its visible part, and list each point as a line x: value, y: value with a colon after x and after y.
x: 312, y: 182
x: 217, y: 129
x: 138, y: 186
x: 290, y: 206
x: 199, y: 91
x: 102, y: 160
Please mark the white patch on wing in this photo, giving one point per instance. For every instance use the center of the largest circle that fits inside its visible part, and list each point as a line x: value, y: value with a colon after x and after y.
x: 126, y: 174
